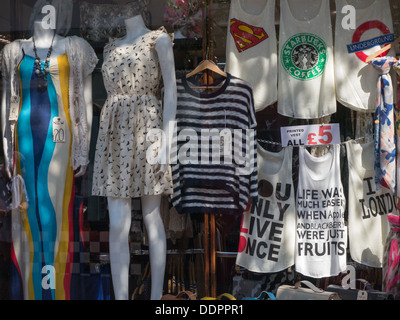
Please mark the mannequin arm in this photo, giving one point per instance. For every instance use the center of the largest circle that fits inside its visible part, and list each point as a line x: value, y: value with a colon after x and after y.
x: 87, y: 82
x: 167, y: 65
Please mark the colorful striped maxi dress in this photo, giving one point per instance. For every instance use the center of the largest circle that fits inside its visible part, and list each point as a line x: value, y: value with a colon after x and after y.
x: 42, y: 249
x: 46, y: 237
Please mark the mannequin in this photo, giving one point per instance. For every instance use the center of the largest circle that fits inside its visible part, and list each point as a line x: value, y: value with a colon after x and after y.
x: 43, y: 232
x: 43, y: 40
x: 120, y: 206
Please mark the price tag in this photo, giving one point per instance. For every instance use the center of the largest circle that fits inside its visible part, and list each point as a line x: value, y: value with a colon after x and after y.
x: 311, y: 135
x: 362, y: 295
x: 225, y: 142
x: 14, y: 109
x: 58, y: 130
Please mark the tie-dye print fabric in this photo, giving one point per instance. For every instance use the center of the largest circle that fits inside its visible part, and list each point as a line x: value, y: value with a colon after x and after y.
x: 385, y: 145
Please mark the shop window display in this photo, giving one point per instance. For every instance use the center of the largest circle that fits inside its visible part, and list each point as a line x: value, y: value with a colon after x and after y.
x: 137, y: 201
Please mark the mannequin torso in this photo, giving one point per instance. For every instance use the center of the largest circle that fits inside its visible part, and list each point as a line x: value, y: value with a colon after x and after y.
x: 135, y: 28
x: 43, y: 39
x: 44, y: 162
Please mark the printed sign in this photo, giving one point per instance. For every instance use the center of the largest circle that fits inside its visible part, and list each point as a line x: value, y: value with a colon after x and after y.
x: 368, y: 44
x: 310, y: 135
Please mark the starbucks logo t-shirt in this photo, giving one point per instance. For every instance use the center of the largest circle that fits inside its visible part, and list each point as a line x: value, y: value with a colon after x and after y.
x: 306, y: 86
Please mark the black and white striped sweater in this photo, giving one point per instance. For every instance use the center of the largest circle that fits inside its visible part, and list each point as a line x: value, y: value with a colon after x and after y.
x: 214, y: 152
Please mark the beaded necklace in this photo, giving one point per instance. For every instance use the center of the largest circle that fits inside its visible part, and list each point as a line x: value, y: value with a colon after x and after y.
x: 42, y: 74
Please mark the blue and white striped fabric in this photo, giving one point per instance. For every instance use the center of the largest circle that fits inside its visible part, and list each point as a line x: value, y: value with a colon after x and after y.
x: 210, y: 177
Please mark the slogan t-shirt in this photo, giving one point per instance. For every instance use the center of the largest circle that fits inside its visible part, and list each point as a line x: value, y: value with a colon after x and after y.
x: 321, y: 235
x: 368, y: 208
x: 267, y: 238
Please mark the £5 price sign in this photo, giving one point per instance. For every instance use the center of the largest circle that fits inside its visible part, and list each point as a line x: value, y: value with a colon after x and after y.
x: 310, y: 135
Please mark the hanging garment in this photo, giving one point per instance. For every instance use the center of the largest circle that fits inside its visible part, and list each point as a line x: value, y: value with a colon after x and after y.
x: 391, y: 261
x: 306, y: 79
x: 320, y: 203
x: 355, y: 79
x: 251, y: 50
x: 46, y: 234
x: 267, y: 236
x: 385, y: 144
x: 367, y: 207
x: 396, y: 67
x: 214, y: 155
x: 132, y: 77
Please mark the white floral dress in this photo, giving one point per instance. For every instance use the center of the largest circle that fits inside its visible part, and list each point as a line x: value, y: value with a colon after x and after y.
x: 132, y: 78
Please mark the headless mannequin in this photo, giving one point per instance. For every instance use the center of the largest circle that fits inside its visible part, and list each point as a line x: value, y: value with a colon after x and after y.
x: 120, y: 208
x: 43, y: 38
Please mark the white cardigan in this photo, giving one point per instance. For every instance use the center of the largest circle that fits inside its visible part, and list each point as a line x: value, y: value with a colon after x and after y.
x: 82, y: 60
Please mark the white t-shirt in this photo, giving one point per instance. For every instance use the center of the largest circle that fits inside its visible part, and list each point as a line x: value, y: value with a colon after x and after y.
x: 368, y: 209
x: 355, y: 79
x: 321, y: 232
x: 267, y: 238
x: 251, y: 50
x: 306, y: 87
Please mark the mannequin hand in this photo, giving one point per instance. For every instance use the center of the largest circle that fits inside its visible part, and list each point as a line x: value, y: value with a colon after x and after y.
x: 80, y: 171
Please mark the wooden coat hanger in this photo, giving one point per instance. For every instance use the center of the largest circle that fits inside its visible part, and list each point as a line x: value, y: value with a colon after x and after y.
x: 207, y: 65
x: 385, y: 48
